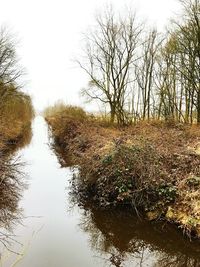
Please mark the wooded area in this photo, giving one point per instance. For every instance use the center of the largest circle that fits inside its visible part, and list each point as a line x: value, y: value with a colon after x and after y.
x: 142, y: 74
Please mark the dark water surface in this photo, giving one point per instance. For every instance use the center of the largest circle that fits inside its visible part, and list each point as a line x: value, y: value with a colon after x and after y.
x: 54, y: 235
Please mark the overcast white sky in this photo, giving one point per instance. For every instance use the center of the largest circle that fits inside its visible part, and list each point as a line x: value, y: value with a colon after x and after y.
x: 50, y: 34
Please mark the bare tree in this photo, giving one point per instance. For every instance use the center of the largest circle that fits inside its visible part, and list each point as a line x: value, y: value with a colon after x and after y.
x: 140, y: 77
x: 166, y: 80
x: 188, y: 39
x: 10, y: 70
x: 110, y: 56
x: 145, y: 72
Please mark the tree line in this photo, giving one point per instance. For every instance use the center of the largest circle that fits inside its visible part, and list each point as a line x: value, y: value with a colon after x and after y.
x: 142, y: 74
x: 16, y: 110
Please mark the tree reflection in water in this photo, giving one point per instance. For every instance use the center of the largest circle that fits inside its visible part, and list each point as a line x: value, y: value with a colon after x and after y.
x: 12, y: 185
x: 125, y: 240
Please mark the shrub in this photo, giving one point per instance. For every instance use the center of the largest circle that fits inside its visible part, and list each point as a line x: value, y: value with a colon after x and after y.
x: 128, y: 175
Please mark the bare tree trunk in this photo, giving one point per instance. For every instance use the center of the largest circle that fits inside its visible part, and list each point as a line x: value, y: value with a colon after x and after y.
x: 198, y: 107
x: 112, y: 113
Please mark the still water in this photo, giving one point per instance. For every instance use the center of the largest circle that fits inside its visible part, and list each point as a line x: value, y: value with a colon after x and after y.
x: 53, y: 234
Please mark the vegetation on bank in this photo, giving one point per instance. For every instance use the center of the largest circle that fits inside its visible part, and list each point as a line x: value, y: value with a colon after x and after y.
x: 153, y: 167
x: 16, y: 114
x: 147, y: 156
x: 16, y: 110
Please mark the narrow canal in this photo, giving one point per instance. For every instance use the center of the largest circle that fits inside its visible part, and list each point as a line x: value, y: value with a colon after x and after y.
x: 52, y: 233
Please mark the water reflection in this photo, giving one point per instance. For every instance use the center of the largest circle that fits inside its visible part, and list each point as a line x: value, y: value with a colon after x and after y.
x: 124, y: 240
x: 12, y: 185
x: 61, y: 152
x: 22, y: 141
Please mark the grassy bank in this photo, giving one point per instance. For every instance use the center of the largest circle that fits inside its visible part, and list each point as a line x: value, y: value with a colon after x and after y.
x: 16, y: 114
x: 153, y: 167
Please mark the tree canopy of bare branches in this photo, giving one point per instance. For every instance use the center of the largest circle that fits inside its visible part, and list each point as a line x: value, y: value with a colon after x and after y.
x: 143, y: 74
x: 110, y: 56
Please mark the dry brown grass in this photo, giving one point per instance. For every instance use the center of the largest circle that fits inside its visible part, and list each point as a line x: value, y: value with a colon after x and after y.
x: 16, y: 114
